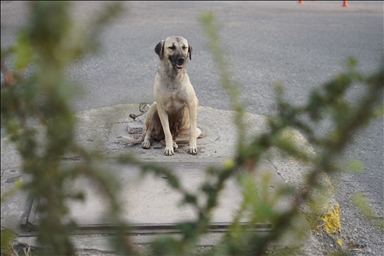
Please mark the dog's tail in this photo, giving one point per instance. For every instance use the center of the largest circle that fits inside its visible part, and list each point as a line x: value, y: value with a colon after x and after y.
x: 133, y: 140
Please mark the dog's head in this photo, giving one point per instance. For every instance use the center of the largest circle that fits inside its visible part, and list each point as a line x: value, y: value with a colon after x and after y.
x: 175, y: 49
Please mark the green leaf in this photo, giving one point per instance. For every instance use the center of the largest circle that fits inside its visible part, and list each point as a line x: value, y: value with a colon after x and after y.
x: 7, y: 236
x: 355, y: 165
x: 361, y: 202
x: 23, y: 50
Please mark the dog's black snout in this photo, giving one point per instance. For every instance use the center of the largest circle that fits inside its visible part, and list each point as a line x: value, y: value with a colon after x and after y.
x: 180, y: 59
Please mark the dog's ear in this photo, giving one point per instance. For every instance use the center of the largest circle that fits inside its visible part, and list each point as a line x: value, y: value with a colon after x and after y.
x: 159, y: 49
x: 190, y: 50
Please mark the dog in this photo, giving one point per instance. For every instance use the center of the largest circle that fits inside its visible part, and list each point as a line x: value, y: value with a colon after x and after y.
x: 174, y: 112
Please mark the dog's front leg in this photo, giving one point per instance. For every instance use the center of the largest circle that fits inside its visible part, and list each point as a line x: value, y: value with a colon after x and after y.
x: 192, y: 108
x: 167, y: 133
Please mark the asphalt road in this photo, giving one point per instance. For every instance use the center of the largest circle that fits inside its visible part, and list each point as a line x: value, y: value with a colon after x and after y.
x: 300, y: 45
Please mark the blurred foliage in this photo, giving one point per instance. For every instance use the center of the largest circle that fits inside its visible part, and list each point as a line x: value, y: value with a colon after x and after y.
x: 45, y: 47
x: 7, y: 236
x: 52, y: 40
x: 361, y: 202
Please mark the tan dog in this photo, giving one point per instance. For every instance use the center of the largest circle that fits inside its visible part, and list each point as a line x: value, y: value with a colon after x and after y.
x: 174, y: 111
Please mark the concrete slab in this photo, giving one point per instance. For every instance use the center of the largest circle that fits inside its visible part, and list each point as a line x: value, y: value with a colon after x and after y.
x: 153, y: 209
x: 149, y: 200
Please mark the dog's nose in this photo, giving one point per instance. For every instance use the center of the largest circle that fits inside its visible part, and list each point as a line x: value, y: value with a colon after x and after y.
x: 180, y: 59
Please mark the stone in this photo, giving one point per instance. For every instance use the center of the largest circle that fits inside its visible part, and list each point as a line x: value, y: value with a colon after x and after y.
x: 135, y: 127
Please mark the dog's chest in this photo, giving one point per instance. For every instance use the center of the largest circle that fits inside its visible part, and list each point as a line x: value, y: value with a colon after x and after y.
x: 174, y: 99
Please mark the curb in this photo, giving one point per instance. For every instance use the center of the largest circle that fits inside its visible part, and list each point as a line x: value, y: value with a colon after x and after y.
x: 325, y: 218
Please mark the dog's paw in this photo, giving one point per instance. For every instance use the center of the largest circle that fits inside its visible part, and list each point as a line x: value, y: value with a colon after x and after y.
x: 168, y: 151
x: 146, y: 144
x: 192, y: 150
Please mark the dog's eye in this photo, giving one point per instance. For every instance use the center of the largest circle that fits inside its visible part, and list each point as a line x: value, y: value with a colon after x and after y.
x: 172, y: 47
x: 184, y: 47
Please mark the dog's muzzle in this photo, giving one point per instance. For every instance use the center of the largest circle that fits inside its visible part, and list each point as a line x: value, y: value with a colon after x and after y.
x: 178, y: 62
